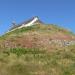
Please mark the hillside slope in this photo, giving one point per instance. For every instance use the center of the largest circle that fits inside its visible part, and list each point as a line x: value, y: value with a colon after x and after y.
x: 38, y: 50
x: 37, y: 36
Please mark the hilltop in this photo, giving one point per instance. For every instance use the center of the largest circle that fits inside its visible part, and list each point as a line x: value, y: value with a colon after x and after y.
x: 36, y: 48
x: 34, y: 33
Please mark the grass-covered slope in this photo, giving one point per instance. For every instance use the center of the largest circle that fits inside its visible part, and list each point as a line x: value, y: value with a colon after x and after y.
x: 33, y: 61
x: 35, y: 36
x: 40, y: 27
x: 27, y: 51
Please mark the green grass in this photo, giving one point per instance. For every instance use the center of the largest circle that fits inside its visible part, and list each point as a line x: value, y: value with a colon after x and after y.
x: 26, y: 61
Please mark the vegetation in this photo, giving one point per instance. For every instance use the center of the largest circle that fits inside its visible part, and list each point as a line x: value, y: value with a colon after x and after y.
x: 27, y: 51
x: 44, y: 28
x: 26, y: 61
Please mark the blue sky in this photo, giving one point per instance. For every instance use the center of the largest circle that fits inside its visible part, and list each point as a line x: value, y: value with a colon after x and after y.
x: 60, y: 12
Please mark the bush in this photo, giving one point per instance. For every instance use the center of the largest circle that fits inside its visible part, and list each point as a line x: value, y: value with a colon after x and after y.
x: 21, y: 51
